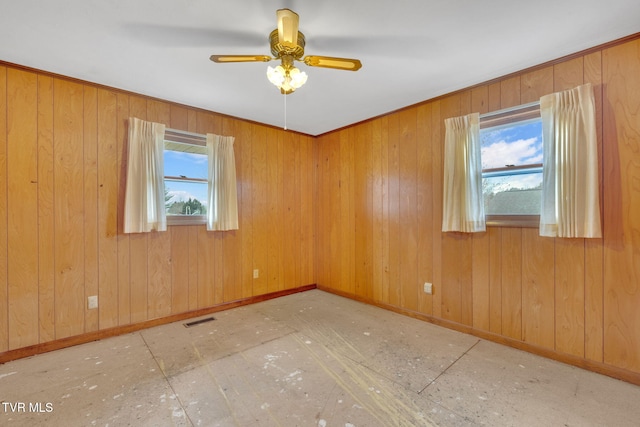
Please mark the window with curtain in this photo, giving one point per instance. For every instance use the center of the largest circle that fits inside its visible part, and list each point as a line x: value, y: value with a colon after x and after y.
x: 563, y: 170
x: 177, y: 177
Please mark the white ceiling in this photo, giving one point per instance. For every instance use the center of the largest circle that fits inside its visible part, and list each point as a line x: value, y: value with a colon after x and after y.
x: 411, y: 50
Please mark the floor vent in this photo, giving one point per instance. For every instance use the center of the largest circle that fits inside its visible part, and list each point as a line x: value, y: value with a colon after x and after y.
x: 198, y: 322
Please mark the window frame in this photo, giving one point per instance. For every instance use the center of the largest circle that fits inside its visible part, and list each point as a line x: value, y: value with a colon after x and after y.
x: 173, y: 136
x: 521, y: 113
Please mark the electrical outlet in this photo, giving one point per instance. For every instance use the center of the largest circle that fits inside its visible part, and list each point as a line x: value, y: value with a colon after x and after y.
x: 92, y: 301
x: 256, y: 273
x: 428, y: 288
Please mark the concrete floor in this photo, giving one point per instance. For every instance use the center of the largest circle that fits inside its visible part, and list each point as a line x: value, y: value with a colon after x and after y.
x: 309, y: 359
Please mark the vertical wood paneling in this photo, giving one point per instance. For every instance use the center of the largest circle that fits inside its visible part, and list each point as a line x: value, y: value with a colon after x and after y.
x: 194, y: 258
x: 512, y: 282
x: 4, y: 298
x: 347, y: 229
x: 274, y: 217
x: 22, y: 200
x: 495, y: 279
x: 123, y: 240
x: 568, y: 74
x: 107, y: 209
x: 535, y: 84
x: 90, y: 159
x: 333, y: 181
x: 46, y: 221
x: 259, y: 206
x: 569, y: 258
x: 288, y: 217
x: 424, y: 206
x: 538, y: 301
x: 408, y: 220
x: 378, y: 191
x: 179, y: 269
x: 437, y: 173
x: 244, y: 149
x: 321, y: 209
x: 621, y: 68
x: 510, y: 92
x: 68, y: 208
x: 308, y: 187
x: 363, y: 224
x: 394, y: 209
x: 594, y: 268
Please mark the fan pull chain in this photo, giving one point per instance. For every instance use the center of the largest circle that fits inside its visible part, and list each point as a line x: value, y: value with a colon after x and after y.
x: 285, y: 112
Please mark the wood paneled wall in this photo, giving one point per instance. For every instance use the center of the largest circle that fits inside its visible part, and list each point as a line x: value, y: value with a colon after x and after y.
x: 62, y: 181
x: 380, y: 214
x: 357, y: 211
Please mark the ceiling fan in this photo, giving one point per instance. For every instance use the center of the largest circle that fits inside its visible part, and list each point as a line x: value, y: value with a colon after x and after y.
x: 287, y: 45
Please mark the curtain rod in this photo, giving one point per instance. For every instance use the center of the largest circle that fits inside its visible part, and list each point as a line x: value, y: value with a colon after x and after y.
x: 184, y: 137
x: 510, y: 110
x: 185, y: 133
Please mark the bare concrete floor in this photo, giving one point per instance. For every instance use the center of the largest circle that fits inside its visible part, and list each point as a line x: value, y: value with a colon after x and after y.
x: 309, y: 359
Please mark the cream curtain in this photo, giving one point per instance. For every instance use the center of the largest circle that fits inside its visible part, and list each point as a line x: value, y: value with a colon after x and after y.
x: 570, y: 194
x: 144, y: 208
x: 462, y: 201
x: 222, y: 213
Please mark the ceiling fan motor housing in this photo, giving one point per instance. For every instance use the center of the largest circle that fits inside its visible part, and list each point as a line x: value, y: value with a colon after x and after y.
x: 278, y: 50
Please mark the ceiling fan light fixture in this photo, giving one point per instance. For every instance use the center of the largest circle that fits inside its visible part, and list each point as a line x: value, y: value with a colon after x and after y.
x: 276, y: 75
x: 287, y: 79
x: 298, y: 78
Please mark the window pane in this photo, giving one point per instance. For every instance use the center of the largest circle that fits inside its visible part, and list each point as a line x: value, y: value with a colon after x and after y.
x: 182, y: 164
x: 512, y: 172
x: 512, y: 194
x: 514, y: 144
x: 179, y: 163
x: 185, y: 198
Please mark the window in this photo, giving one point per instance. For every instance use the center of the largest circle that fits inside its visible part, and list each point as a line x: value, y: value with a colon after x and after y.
x: 185, y: 177
x: 511, y: 142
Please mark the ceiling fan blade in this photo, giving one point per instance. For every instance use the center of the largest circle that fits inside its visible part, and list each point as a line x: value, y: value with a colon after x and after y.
x: 287, y: 27
x: 329, y: 62
x: 221, y: 59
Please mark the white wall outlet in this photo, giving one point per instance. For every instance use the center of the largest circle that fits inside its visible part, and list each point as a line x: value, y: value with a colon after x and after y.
x: 92, y: 301
x: 256, y: 273
x: 428, y: 288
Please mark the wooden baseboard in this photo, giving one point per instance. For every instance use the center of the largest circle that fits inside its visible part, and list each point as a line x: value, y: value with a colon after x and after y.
x: 589, y: 365
x: 125, y: 329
